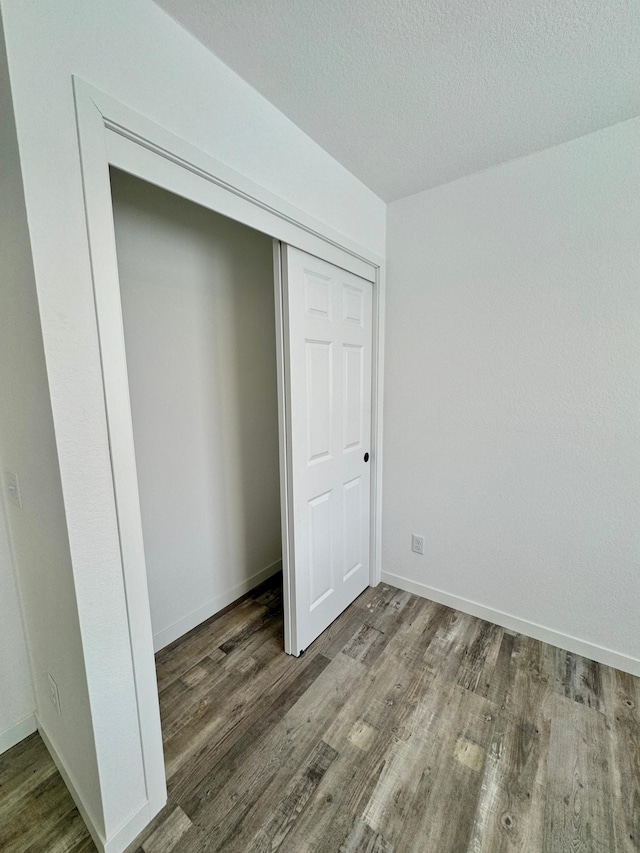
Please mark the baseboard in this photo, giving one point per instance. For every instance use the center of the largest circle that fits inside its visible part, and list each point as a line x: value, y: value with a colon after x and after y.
x: 514, y: 623
x: 130, y: 830
x: 213, y: 606
x: 127, y: 833
x: 90, y: 823
x: 17, y: 732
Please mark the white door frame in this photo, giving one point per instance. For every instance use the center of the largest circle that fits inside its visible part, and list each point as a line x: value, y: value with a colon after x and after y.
x: 111, y: 134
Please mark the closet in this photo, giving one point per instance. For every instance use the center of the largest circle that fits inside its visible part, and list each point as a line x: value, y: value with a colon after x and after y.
x: 197, y: 295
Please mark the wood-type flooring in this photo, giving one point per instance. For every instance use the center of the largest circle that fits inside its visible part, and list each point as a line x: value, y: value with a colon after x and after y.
x: 407, y: 727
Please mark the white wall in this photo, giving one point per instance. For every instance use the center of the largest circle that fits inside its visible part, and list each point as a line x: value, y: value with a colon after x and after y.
x: 38, y: 531
x: 512, y: 432
x: 197, y: 299
x: 134, y: 52
x: 17, y: 702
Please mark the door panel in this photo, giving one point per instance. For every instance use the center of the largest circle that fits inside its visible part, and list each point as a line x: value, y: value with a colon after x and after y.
x: 328, y: 332
x: 318, y: 392
x: 353, y: 527
x: 353, y: 399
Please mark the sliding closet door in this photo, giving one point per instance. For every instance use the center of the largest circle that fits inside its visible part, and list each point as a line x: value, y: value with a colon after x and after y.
x: 328, y: 334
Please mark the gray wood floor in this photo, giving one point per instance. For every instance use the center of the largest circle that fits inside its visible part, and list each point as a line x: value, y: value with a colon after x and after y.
x: 406, y: 727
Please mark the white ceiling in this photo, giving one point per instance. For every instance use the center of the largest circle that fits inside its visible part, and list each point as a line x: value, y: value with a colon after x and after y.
x: 409, y: 94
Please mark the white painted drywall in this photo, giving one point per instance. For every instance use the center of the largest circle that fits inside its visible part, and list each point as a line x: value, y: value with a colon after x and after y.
x: 197, y: 301
x: 17, y: 702
x: 38, y: 531
x: 512, y: 408
x: 17, y: 699
x: 134, y: 52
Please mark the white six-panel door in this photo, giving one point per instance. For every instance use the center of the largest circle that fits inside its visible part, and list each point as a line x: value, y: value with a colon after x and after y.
x: 329, y: 336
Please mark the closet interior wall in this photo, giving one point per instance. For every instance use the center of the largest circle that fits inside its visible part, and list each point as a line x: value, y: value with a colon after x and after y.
x: 198, y: 314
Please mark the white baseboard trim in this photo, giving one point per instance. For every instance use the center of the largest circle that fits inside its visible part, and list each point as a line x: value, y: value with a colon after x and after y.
x: 17, y: 732
x: 132, y: 827
x: 94, y: 830
x: 130, y: 830
x: 514, y: 623
x: 213, y: 606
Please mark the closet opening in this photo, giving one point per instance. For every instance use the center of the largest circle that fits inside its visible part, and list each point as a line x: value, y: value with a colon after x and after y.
x: 197, y: 294
x: 327, y: 407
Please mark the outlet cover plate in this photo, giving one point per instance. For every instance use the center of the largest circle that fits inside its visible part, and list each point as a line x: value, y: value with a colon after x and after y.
x: 12, y: 485
x: 55, y: 696
x: 417, y: 544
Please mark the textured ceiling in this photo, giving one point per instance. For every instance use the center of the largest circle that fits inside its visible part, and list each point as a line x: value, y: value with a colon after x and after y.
x: 409, y: 94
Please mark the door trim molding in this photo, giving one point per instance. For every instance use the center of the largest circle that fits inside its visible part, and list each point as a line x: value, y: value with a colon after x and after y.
x: 284, y: 448
x: 111, y: 134
x: 233, y: 182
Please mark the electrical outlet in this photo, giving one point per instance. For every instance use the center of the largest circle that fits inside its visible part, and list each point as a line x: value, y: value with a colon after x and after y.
x: 55, y: 696
x: 417, y: 544
x: 13, y: 488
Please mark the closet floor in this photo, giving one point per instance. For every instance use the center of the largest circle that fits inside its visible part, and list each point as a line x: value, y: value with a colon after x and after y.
x: 407, y: 726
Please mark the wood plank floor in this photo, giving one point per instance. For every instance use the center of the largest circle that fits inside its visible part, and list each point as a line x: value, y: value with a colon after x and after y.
x: 407, y: 726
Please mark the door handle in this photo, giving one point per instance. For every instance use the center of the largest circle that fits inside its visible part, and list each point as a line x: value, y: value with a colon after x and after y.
x: 366, y: 457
